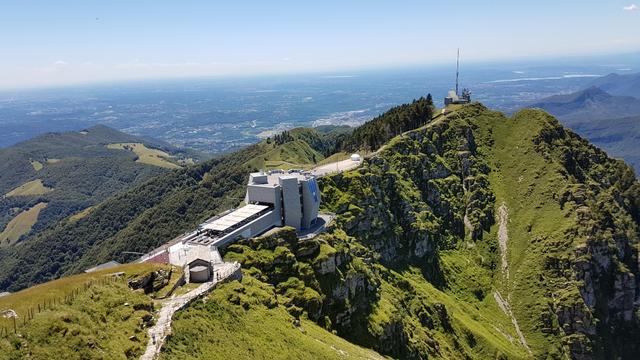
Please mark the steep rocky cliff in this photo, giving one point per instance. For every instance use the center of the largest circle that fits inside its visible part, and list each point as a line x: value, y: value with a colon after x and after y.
x: 476, y: 236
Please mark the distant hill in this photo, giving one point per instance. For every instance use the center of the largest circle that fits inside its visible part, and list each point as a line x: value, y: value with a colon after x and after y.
x: 52, y: 176
x: 622, y: 85
x: 609, y: 121
x: 619, y: 137
x: 589, y: 104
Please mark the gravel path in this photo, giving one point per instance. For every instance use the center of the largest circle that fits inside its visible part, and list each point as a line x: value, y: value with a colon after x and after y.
x: 335, y: 167
x: 159, y: 332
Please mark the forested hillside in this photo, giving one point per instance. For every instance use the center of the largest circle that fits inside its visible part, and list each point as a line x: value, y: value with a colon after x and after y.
x: 372, y: 134
x: 64, y: 173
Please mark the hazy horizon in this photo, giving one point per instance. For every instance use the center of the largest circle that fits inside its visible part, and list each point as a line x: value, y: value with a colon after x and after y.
x: 65, y: 43
x: 623, y: 62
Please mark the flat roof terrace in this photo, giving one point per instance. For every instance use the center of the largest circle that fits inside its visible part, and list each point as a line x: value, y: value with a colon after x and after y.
x: 272, y: 176
x: 235, y: 217
x: 214, y: 230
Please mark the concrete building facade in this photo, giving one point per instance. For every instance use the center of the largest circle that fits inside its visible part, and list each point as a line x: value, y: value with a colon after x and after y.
x: 294, y: 197
x: 272, y: 199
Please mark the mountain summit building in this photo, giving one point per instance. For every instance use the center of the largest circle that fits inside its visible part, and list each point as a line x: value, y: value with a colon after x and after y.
x: 273, y: 199
x: 294, y: 197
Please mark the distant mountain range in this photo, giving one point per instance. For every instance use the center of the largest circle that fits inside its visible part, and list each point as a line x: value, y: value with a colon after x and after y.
x: 55, y: 175
x: 607, y: 113
x: 621, y: 85
x: 589, y: 105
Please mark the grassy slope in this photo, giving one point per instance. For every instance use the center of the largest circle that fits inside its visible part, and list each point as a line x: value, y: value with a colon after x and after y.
x: 21, y: 224
x: 147, y: 155
x: 37, y: 165
x: 466, y: 273
x: 81, y: 214
x: 302, y: 148
x: 526, y: 184
x: 103, y: 321
x: 296, y: 154
x: 339, y: 156
x: 33, y: 187
x: 243, y: 321
x: 479, y: 329
x: 70, y: 171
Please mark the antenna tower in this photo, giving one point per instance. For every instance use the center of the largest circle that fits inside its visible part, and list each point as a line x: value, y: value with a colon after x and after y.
x: 457, y: 70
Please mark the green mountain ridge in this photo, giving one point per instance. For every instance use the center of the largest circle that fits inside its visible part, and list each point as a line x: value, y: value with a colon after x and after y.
x: 608, y: 121
x: 591, y: 103
x: 472, y: 235
x: 414, y: 268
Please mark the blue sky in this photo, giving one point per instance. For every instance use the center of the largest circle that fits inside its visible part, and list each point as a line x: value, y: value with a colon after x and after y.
x: 63, y: 42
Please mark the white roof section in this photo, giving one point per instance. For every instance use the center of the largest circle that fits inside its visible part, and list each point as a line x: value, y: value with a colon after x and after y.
x: 235, y: 217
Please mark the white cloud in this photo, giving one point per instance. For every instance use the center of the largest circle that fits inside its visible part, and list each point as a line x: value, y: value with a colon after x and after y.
x: 60, y: 63
x: 631, y: 7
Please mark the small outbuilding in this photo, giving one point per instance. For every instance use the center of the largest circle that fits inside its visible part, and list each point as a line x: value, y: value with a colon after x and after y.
x: 199, y: 264
x: 356, y: 157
